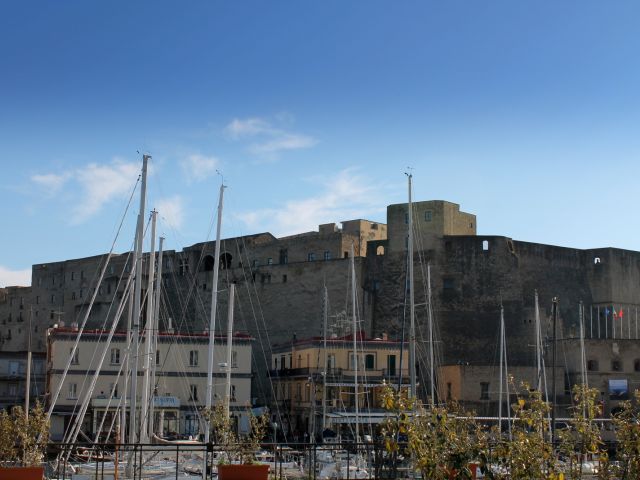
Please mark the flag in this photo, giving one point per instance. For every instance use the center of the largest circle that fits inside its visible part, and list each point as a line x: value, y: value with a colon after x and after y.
x: 606, y: 312
x: 620, y: 314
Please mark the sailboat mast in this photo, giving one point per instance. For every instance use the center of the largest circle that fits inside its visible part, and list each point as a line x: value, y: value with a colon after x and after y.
x: 501, y: 365
x: 148, y: 344
x: 155, y: 330
x: 227, y: 386
x: 325, y: 368
x: 431, y: 349
x: 136, y: 302
x: 355, y: 344
x: 412, y: 312
x: 212, y: 319
x: 28, y: 379
x: 538, y: 345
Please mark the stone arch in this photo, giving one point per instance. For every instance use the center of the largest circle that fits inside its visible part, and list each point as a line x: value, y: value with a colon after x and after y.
x: 380, y: 250
x: 225, y: 261
x: 208, y: 262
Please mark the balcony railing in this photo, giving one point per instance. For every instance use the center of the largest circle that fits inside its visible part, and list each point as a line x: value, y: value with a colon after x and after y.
x: 340, y: 375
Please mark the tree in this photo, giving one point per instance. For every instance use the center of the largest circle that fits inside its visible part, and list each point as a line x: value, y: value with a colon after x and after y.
x: 627, y: 424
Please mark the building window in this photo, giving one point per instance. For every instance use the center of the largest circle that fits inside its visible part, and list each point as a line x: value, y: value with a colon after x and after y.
x: 275, y: 363
x: 73, y: 295
x: 485, y: 245
x: 406, y: 218
x: 74, y: 358
x: 346, y: 254
x: 73, y: 390
x: 283, y: 362
x: 636, y: 365
x: 234, y: 359
x: 311, y: 257
x: 592, y: 365
x: 53, y: 299
x: 284, y: 278
x: 157, y: 357
x: 193, y: 358
x: 193, y: 393
x: 327, y: 255
x: 115, y: 356
x: 233, y: 393
x: 284, y: 256
x: 114, y: 388
x: 448, y: 283
x: 484, y: 390
x: 183, y: 267
x: 428, y: 215
x: 298, y: 391
x: 616, y: 365
x: 269, y: 261
x: 370, y: 361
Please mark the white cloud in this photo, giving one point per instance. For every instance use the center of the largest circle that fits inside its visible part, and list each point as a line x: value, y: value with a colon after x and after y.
x: 102, y: 183
x: 245, y: 128
x: 171, y: 210
x: 346, y: 196
x: 273, y: 139
x: 10, y: 278
x: 287, y: 141
x: 97, y: 185
x: 51, y: 181
x: 198, y: 167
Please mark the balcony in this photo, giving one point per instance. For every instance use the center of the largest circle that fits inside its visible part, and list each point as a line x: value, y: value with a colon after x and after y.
x: 342, y: 376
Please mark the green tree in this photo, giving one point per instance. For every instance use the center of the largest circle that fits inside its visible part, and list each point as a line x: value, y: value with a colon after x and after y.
x: 627, y: 424
x: 582, y: 440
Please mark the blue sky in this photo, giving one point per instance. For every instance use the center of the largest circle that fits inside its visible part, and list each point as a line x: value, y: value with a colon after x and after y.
x: 526, y: 113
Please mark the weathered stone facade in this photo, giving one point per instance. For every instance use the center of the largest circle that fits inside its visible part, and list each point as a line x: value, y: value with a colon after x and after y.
x: 280, y: 282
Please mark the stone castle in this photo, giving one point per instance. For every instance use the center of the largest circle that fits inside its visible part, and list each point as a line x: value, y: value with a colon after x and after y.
x: 279, y: 285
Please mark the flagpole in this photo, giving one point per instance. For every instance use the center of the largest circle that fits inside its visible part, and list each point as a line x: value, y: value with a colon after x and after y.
x: 591, y: 321
x: 606, y: 323
x: 599, y: 336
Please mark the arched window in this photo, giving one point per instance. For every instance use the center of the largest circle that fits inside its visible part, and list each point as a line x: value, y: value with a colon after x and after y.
x: 380, y: 250
x: 225, y: 261
x: 208, y: 263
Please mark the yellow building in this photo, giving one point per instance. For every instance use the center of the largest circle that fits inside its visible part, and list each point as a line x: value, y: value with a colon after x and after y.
x: 314, y: 388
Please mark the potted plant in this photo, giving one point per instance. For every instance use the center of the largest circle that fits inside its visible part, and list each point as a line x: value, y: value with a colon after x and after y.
x: 22, y: 443
x: 238, y: 452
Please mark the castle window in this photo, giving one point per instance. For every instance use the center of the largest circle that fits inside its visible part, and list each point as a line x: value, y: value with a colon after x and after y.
x: 484, y: 390
x: 311, y: 257
x: 374, y: 226
x: 428, y: 216
x: 269, y: 261
x: 209, y: 262
x: 284, y: 279
x: 183, y: 267
x: 636, y: 365
x: 448, y: 283
x: 284, y: 256
x: 485, y: 245
x: 616, y: 365
x: 592, y: 365
x: 346, y: 254
x: 596, y: 260
x: 327, y: 255
x: 73, y: 275
x: 225, y: 261
x: 406, y: 218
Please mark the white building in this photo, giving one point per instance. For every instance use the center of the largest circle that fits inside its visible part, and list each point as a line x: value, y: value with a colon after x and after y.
x: 181, y: 379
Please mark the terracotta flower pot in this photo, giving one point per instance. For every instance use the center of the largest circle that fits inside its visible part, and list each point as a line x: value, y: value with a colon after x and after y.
x: 21, y: 473
x: 243, y: 472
